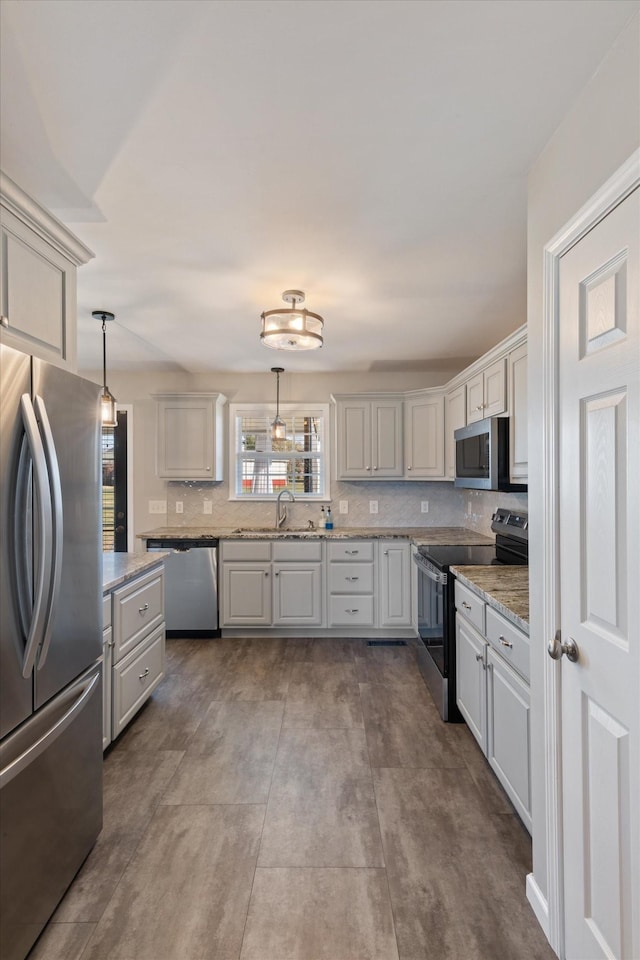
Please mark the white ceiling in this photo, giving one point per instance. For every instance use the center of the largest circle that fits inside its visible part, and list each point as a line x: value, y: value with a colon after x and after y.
x: 373, y: 153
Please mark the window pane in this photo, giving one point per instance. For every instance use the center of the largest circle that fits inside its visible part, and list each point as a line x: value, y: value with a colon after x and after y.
x: 264, y: 466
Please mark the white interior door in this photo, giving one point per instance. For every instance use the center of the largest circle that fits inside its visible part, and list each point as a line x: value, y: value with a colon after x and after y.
x: 599, y: 471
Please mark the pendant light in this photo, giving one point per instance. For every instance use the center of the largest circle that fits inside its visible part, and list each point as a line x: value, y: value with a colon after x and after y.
x: 292, y: 328
x: 107, y: 400
x: 278, y: 426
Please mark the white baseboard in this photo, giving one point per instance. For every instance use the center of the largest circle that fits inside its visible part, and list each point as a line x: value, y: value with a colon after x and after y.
x: 538, y: 903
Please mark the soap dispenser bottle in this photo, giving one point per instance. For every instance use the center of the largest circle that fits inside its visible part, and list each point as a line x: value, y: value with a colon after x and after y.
x: 323, y: 519
x: 329, y: 519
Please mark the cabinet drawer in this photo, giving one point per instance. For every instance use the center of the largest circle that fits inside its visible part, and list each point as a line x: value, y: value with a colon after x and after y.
x: 512, y: 644
x: 138, y: 608
x: 470, y: 606
x: 351, y: 550
x: 136, y: 677
x: 297, y: 550
x: 350, y: 611
x: 351, y: 578
x: 106, y: 611
x: 246, y: 550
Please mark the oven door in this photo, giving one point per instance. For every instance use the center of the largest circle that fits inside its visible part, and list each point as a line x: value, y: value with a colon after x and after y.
x: 436, y: 646
x: 431, y: 584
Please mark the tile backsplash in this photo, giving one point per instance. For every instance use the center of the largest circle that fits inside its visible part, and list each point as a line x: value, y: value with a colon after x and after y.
x: 399, y: 505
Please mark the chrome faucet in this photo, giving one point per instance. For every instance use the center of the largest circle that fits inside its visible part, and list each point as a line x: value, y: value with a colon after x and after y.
x: 281, y: 510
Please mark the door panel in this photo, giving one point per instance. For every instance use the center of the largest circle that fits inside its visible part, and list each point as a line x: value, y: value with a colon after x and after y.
x: 72, y: 408
x: 16, y: 692
x: 599, y: 381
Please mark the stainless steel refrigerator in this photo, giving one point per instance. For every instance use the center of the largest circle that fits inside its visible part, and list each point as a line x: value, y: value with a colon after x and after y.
x: 50, y: 640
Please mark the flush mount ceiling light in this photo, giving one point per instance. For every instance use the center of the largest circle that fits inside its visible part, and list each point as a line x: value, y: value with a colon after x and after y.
x: 278, y: 426
x: 292, y: 328
x: 107, y: 400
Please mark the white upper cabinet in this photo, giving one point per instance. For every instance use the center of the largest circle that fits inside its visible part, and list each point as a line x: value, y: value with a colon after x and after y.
x: 424, y: 436
x: 487, y: 392
x: 369, y: 437
x: 455, y: 416
x: 190, y: 436
x: 518, y: 447
x: 38, y: 263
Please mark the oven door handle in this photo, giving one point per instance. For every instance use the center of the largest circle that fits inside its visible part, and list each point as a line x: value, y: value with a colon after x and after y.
x: 428, y: 572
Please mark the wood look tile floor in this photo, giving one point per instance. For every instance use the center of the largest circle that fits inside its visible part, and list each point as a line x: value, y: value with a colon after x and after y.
x: 283, y: 799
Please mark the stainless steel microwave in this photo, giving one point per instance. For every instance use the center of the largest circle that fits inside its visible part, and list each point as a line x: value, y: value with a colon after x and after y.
x: 482, y: 456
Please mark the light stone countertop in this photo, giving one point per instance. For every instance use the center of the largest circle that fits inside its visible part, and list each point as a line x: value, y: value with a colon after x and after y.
x: 118, y: 567
x: 505, y: 588
x: 420, y: 536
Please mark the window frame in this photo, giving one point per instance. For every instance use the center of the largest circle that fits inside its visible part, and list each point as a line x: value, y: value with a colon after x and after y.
x: 268, y: 411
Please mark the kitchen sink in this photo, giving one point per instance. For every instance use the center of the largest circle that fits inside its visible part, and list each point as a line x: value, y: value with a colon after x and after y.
x: 280, y: 530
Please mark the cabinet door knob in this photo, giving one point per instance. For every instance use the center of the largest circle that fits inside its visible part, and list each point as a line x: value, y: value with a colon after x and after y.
x: 208, y: 468
x: 266, y: 573
x: 375, y: 468
x: 367, y: 468
x: 409, y: 467
x: 479, y: 656
x: 4, y: 321
x: 277, y: 573
x: 386, y: 553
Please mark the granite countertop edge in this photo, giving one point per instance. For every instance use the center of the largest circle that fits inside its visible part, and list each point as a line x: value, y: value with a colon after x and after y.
x: 499, y: 593
x: 419, y: 536
x: 117, y: 568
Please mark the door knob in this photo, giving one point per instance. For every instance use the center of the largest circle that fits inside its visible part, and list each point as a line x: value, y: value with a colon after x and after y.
x: 557, y: 648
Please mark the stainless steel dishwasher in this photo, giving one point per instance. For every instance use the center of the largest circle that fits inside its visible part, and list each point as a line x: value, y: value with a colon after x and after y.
x: 190, y: 586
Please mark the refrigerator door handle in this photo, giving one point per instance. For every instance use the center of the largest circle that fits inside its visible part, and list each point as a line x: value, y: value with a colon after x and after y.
x: 23, y: 537
x: 54, y: 724
x: 57, y: 533
x: 45, y: 523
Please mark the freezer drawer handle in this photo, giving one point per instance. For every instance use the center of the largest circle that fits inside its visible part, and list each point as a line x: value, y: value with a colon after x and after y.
x: 79, y: 693
x: 45, y: 517
x: 55, y: 485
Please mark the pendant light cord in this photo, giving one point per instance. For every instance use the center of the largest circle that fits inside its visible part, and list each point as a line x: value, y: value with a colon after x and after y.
x: 104, y: 352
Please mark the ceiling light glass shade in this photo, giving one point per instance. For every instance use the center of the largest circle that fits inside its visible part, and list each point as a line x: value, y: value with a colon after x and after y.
x: 108, y: 409
x: 292, y: 328
x: 278, y: 429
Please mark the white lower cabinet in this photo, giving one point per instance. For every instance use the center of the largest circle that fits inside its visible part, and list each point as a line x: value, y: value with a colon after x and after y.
x: 135, y: 678
x: 493, y: 695
x: 508, y: 732
x: 339, y: 583
x: 133, y: 648
x: 394, y: 583
x: 246, y: 594
x: 471, y: 684
x: 107, y: 665
x: 297, y: 594
x: 271, y: 583
x: 351, y: 577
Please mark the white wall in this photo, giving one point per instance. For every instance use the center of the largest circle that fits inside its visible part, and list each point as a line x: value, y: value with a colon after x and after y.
x: 595, y: 138
x: 399, y: 502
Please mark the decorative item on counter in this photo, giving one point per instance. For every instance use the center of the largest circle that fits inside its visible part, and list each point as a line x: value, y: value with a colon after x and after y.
x: 329, y: 519
x: 323, y: 520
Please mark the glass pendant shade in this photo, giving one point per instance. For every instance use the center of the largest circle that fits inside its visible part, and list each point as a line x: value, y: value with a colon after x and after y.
x: 108, y: 409
x: 292, y: 328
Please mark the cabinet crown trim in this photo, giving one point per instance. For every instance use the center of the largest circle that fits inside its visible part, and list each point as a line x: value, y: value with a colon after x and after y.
x: 48, y: 227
